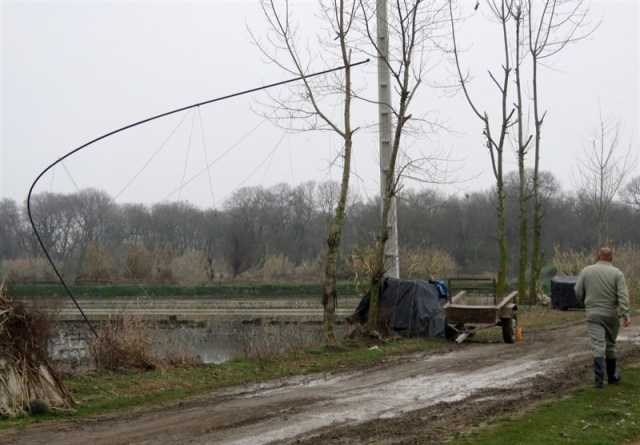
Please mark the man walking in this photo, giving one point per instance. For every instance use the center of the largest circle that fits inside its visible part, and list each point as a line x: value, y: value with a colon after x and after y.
x: 603, y: 290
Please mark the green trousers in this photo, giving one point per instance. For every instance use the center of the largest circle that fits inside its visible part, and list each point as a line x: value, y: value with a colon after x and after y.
x: 603, y: 332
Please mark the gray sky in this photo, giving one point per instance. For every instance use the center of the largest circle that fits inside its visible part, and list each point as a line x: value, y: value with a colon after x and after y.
x: 72, y: 71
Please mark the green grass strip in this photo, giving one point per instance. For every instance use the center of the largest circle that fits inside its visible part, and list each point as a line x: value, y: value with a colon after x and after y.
x: 586, y: 417
x: 109, y: 392
x: 160, y: 291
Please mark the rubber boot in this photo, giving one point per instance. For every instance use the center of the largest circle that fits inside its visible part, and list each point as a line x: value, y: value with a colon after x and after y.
x: 598, y: 371
x: 612, y: 374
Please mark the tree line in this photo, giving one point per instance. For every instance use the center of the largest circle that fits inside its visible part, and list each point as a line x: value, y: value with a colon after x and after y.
x: 88, y: 230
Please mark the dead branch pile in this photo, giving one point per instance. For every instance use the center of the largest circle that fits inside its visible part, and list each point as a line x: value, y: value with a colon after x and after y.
x: 27, y: 381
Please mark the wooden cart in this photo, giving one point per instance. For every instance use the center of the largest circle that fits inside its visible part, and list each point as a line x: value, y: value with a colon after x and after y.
x: 475, y: 306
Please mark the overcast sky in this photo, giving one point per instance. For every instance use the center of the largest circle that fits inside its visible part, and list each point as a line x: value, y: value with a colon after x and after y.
x: 72, y: 71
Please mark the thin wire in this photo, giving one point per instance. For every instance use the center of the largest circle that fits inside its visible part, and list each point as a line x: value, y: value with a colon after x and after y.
x: 206, y: 158
x: 271, y: 153
x: 126, y: 127
x: 225, y: 153
x: 73, y: 181
x: 152, y: 157
x: 186, y: 158
x: 53, y: 180
x: 293, y: 181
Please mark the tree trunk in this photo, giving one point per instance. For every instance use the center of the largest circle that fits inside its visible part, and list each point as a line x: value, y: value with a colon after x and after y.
x: 501, y: 284
x: 329, y: 293
x: 523, y: 199
x: 536, y: 254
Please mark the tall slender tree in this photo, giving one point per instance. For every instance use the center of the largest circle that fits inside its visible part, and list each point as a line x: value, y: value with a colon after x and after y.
x: 552, y: 25
x: 503, y: 12
x: 306, y: 103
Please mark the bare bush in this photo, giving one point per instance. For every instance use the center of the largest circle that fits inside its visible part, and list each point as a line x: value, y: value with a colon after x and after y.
x: 27, y: 270
x: 123, y: 342
x: 310, y: 268
x: 570, y: 262
x: 626, y: 258
x: 277, y: 266
x: 360, y: 265
x: 161, y: 270
x: 139, y: 263
x: 190, y: 268
x: 427, y: 263
x: 98, y: 265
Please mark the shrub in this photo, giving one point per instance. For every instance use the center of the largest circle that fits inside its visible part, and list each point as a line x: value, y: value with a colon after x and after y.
x: 161, y: 270
x: 277, y: 266
x: 360, y: 265
x: 27, y: 270
x: 98, y: 265
x: 123, y: 342
x: 139, y: 263
x: 570, y: 262
x: 312, y: 268
x: 191, y: 268
x: 627, y: 259
x: 426, y: 263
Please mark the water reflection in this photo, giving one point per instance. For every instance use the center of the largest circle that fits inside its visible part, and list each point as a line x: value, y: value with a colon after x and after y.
x: 213, y: 341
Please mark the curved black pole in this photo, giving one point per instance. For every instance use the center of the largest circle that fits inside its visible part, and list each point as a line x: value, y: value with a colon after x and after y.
x: 135, y: 124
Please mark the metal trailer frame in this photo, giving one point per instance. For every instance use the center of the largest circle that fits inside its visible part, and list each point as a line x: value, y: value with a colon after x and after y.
x: 475, y: 306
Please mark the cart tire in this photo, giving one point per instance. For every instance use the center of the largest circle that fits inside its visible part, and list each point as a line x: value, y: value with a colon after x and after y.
x: 509, y: 329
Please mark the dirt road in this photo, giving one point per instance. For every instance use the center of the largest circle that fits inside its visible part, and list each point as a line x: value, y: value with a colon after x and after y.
x: 404, y: 401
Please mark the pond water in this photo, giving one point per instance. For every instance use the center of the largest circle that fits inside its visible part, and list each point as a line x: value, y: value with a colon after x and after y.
x: 212, y: 341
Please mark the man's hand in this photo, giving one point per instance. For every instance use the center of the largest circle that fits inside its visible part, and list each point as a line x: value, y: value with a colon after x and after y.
x: 627, y: 322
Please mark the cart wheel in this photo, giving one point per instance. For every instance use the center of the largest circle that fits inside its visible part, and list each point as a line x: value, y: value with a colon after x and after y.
x: 509, y: 328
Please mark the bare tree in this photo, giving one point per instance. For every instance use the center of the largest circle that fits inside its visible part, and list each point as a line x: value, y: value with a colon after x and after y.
x: 523, y: 148
x: 552, y: 25
x: 413, y: 26
x: 602, y: 171
x: 631, y: 193
x: 305, y: 104
x: 502, y: 11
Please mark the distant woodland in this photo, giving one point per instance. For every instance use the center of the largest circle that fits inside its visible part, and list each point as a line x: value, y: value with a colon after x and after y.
x: 279, y: 233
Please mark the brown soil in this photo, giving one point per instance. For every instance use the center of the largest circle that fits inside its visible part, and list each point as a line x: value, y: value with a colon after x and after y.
x: 420, y: 399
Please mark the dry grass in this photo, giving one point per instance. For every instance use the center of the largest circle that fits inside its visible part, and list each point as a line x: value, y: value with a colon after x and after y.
x: 27, y: 380
x: 98, y: 266
x: 126, y: 342
x: 26, y: 270
x: 138, y: 264
x: 190, y: 268
x: 265, y: 342
x: 123, y: 342
x: 570, y: 262
x: 426, y: 263
x: 626, y: 258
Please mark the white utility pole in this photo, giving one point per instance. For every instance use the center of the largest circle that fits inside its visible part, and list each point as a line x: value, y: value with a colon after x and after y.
x: 391, y: 259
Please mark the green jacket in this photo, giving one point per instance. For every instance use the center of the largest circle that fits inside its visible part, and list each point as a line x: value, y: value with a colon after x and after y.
x: 603, y: 290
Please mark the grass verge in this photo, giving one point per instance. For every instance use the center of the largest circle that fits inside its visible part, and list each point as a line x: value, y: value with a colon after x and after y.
x: 586, y: 416
x: 109, y: 392
x: 166, y: 291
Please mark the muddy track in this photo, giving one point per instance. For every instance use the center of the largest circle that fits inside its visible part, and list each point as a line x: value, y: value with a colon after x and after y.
x: 419, y: 399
